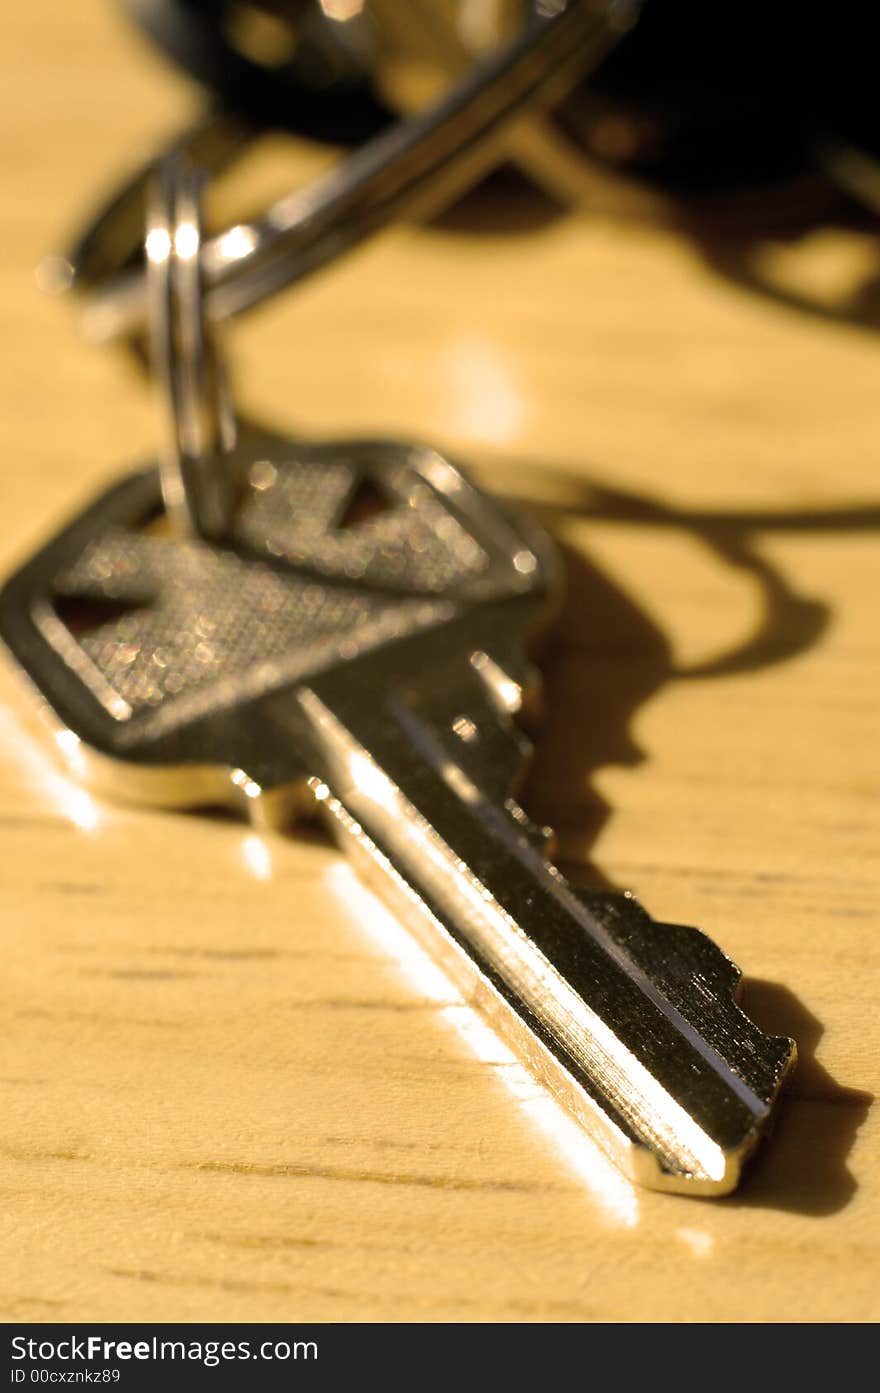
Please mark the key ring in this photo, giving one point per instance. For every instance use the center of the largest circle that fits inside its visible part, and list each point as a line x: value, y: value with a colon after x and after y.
x: 195, y: 466
x: 320, y: 94
x: 428, y: 157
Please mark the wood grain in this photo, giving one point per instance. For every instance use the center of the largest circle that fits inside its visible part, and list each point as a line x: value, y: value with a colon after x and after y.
x: 230, y: 1090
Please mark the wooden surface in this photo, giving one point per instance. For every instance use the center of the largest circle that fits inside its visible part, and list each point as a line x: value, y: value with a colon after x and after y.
x: 229, y: 1088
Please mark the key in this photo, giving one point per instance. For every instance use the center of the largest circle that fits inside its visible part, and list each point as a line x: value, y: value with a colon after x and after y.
x: 358, y: 649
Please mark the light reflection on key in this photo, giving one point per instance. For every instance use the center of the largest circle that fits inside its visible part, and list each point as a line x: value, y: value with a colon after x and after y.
x: 73, y: 803
x: 615, y: 1195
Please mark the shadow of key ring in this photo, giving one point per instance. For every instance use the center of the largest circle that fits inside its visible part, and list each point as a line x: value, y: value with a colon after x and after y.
x: 419, y: 163
x: 196, y: 463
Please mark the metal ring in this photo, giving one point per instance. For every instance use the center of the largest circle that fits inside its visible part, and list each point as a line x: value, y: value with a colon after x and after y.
x: 113, y: 240
x: 320, y: 94
x: 195, y: 466
x: 425, y: 159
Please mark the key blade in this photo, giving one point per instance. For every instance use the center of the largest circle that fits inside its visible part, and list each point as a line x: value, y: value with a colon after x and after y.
x: 632, y: 1024
x: 692, y: 1142
x: 698, y: 987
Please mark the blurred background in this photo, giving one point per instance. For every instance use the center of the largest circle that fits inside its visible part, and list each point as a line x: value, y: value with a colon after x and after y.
x: 738, y: 147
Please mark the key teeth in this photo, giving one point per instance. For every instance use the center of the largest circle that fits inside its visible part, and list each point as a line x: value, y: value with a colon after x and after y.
x: 512, y: 683
x: 703, y: 984
x: 673, y: 947
x: 512, y: 686
x: 543, y: 839
x: 696, y: 976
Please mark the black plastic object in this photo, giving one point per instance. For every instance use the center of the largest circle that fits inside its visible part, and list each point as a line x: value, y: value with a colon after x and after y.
x: 320, y: 90
x: 696, y: 97
x: 700, y: 97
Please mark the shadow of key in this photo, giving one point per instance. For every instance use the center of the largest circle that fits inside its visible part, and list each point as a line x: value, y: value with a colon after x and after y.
x: 618, y: 659
x: 805, y: 1169
x: 605, y: 634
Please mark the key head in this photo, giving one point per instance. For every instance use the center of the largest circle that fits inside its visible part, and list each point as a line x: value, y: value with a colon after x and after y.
x: 161, y: 660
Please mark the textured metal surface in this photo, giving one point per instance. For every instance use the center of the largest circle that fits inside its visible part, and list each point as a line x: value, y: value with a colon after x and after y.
x: 361, y: 650
x: 215, y: 616
x: 413, y: 543
x: 202, y: 626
